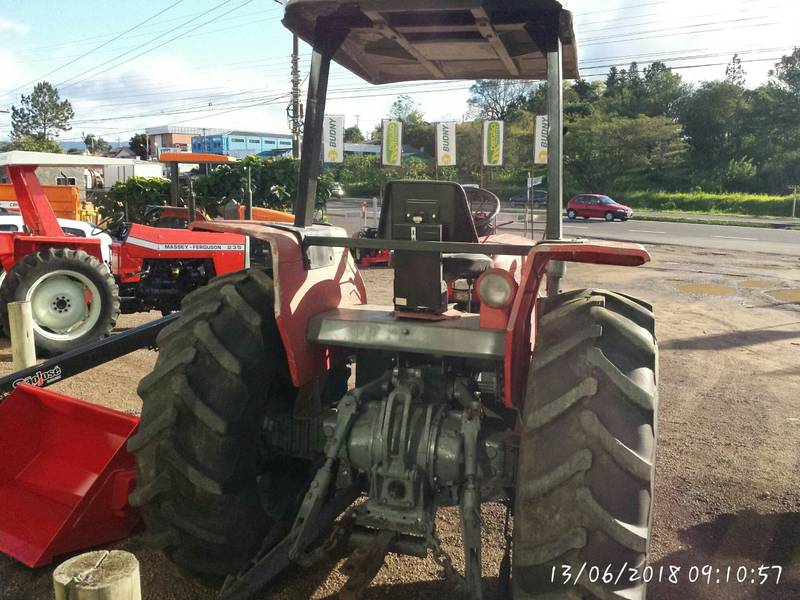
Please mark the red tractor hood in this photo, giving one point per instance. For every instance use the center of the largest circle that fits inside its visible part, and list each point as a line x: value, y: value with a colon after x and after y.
x: 170, y: 240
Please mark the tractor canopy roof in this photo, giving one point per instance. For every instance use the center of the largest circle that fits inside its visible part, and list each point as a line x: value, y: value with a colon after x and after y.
x: 195, y: 158
x: 389, y: 41
x: 51, y: 159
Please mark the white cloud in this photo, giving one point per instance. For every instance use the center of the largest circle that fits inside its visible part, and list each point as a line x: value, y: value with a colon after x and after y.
x: 10, y: 26
x: 174, y: 90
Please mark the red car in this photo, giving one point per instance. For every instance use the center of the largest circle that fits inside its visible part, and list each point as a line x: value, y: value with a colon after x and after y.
x: 597, y: 205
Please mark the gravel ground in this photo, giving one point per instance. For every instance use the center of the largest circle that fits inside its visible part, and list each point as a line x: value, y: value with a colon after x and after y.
x: 727, y: 487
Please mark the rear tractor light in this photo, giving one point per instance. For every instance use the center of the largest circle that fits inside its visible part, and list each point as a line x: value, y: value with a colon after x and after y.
x: 496, y: 288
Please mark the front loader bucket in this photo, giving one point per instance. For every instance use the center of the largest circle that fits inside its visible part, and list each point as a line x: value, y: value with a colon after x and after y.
x: 65, y: 475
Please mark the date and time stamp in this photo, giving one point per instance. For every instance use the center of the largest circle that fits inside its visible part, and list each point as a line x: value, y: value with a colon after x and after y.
x: 761, y: 575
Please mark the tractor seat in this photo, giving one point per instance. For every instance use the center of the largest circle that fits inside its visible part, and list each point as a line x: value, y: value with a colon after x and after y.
x: 465, y: 266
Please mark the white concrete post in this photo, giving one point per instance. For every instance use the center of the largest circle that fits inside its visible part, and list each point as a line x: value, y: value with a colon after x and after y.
x: 20, y: 321
x: 99, y: 575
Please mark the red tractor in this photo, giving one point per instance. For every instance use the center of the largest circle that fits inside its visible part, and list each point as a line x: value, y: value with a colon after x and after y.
x: 251, y: 445
x: 75, y: 297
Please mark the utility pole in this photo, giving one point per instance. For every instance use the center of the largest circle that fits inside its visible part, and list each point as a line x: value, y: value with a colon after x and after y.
x: 248, y: 208
x: 295, y: 116
x: 295, y: 110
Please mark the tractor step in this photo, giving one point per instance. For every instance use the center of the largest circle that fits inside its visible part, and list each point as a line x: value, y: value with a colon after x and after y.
x: 65, y: 475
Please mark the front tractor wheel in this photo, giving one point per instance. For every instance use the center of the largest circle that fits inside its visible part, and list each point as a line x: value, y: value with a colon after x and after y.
x: 209, y: 486
x: 74, y: 299
x: 587, y: 450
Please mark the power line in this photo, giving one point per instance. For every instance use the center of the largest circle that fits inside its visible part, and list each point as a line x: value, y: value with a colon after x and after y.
x: 186, y: 37
x: 66, y: 84
x: 616, y: 23
x: 649, y: 35
x: 88, y: 41
x: 66, y: 64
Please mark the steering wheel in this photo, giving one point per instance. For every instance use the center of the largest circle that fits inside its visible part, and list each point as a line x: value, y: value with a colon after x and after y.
x: 484, y: 206
x: 110, y: 225
x: 151, y: 215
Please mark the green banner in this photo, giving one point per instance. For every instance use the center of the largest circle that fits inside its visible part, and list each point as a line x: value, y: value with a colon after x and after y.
x: 492, y: 143
x: 392, y: 142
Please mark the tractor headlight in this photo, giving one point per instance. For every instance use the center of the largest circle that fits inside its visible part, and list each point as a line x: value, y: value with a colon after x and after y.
x: 496, y: 288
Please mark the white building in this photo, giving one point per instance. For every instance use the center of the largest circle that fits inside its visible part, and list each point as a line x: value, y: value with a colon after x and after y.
x: 140, y: 168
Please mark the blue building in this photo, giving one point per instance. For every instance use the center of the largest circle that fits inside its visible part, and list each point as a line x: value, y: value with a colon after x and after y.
x: 243, y: 143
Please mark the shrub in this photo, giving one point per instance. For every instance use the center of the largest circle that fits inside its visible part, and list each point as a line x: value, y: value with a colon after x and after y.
x: 137, y: 193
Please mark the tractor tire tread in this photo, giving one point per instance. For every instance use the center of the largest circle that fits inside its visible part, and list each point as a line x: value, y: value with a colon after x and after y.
x: 585, y: 472
x: 213, y: 371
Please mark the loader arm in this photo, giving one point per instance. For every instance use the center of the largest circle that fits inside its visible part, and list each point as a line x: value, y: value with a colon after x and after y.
x: 33, y: 204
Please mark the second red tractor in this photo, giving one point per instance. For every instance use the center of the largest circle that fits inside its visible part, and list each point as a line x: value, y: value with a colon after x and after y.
x: 75, y: 296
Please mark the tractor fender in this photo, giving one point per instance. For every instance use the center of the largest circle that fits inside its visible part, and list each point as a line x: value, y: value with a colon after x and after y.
x: 302, y: 290
x: 521, y: 328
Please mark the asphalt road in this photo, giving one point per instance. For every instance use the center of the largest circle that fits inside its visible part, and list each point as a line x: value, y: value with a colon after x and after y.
x: 719, y: 237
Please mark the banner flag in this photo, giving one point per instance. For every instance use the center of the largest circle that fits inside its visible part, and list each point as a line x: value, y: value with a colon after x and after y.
x: 492, y: 143
x: 392, y: 150
x: 333, y: 139
x: 446, y: 144
x: 540, y: 140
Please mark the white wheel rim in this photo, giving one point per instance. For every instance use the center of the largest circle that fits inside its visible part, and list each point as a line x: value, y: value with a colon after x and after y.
x: 65, y: 305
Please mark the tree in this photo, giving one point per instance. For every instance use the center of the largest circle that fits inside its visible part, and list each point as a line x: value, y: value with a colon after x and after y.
x: 655, y: 92
x: 138, y: 144
x: 787, y: 72
x: 662, y: 90
x: 536, y: 100
x: 353, y: 135
x: 605, y: 153
x: 713, y: 118
x: 416, y: 131
x: 498, y: 99
x: 42, y: 114
x: 405, y: 109
x: 771, y: 128
x: 739, y: 175
x: 34, y: 143
x: 734, y: 72
x: 95, y: 144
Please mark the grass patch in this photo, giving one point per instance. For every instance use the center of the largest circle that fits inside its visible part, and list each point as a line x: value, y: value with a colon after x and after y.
x: 752, y: 205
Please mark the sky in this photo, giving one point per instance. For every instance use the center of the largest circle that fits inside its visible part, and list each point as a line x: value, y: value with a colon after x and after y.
x: 225, y: 64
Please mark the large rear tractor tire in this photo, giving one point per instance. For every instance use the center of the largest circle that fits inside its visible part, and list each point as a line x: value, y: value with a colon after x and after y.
x: 585, y: 474
x: 73, y: 296
x: 209, y: 489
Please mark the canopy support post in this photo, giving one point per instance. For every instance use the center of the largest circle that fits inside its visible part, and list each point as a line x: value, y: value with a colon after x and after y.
x: 174, y: 184
x: 310, y: 156
x: 555, y: 158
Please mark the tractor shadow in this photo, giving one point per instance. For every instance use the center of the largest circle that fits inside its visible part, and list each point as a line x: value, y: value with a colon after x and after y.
x: 730, y: 340
x: 747, y: 539
x: 428, y: 590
